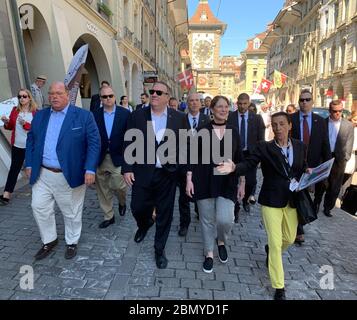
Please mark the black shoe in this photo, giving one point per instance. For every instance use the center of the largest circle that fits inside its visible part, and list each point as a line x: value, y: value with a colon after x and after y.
x: 208, y: 265
x: 222, y: 253
x: 106, y: 223
x: 327, y: 213
x: 140, y: 235
x: 267, y: 258
x: 246, y: 207
x: 279, y: 294
x: 252, y: 200
x: 46, y: 250
x: 4, y: 201
x: 122, y: 210
x: 183, y: 231
x: 197, y: 216
x: 161, y: 260
x: 71, y: 251
x: 236, y: 217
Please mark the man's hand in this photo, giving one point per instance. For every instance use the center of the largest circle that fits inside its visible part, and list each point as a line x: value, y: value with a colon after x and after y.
x: 89, y: 179
x: 241, y: 191
x: 308, y: 170
x: 189, y: 188
x: 129, y: 178
x: 28, y: 172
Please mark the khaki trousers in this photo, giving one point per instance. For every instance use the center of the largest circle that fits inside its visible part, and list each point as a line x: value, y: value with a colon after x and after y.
x: 50, y: 188
x: 109, y: 182
x: 280, y: 225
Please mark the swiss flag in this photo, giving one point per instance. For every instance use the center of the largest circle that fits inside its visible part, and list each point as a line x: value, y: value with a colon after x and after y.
x: 186, y: 79
x: 264, y: 86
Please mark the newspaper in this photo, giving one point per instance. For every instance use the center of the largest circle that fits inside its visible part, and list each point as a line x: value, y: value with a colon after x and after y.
x: 318, y: 174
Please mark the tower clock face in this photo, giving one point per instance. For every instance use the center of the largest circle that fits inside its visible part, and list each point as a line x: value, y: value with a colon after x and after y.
x: 203, y: 51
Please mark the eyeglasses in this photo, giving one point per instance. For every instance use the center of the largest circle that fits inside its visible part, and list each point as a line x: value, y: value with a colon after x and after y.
x: 110, y: 96
x: 22, y: 96
x: 336, y: 111
x: 305, y: 100
x: 158, y: 92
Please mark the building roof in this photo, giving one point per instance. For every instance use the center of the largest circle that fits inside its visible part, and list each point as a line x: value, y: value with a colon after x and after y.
x: 250, y: 44
x: 205, y: 17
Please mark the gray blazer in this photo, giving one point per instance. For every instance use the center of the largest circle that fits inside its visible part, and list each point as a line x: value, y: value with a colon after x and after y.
x: 344, y: 142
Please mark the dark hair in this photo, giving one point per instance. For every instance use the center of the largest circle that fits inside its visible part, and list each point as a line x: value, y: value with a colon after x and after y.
x: 172, y: 99
x: 291, y: 105
x: 105, y: 82
x: 122, y: 98
x: 144, y: 94
x: 164, y: 84
x: 215, y: 100
x: 253, y: 107
x: 281, y: 114
x: 306, y: 91
x: 244, y: 96
x: 335, y: 103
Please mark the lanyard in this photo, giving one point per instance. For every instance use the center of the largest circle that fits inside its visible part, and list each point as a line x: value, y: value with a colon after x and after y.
x: 287, y: 166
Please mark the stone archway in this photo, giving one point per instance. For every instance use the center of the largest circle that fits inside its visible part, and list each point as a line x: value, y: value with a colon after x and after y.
x: 127, y: 76
x: 137, y: 87
x: 96, y: 68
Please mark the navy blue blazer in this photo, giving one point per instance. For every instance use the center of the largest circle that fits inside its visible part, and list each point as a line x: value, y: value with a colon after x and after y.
x: 78, y: 145
x: 115, y: 143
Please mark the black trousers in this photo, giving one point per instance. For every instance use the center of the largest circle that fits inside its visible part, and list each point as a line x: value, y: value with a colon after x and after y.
x: 334, y: 184
x: 160, y: 194
x: 17, y: 160
x: 184, y: 204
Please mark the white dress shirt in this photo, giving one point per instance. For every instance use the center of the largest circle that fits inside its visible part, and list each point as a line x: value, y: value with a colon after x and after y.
x: 333, y: 129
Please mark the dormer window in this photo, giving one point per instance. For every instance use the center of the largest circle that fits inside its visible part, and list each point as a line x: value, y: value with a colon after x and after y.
x: 256, y: 43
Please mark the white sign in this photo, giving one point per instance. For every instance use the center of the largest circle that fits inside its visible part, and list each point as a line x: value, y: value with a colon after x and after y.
x: 92, y: 28
x: 6, y: 107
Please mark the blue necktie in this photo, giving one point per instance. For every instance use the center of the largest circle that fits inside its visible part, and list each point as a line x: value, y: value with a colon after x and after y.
x: 242, y: 132
x: 194, y: 123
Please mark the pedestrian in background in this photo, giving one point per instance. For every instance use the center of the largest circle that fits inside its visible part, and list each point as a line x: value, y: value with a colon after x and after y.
x: 112, y: 122
x: 19, y: 123
x: 62, y: 153
x: 36, y: 91
x: 173, y: 103
x: 145, y: 101
x: 216, y: 193
x: 290, y: 109
x: 124, y: 103
x: 95, y: 102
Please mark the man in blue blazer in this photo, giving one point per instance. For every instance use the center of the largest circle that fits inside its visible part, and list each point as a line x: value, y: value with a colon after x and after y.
x: 112, y: 123
x: 62, y: 153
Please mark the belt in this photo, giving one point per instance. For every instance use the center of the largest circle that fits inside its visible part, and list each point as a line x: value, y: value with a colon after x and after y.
x: 52, y: 169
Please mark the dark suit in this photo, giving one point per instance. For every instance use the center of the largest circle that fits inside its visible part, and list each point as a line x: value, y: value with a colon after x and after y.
x: 318, y: 150
x: 154, y: 187
x: 255, y: 133
x: 184, y: 200
x: 275, y: 190
x: 206, y: 111
x: 114, y: 145
x: 342, y: 153
x: 140, y: 106
x: 95, y: 102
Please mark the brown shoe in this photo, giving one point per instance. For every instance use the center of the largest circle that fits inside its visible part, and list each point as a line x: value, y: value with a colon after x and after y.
x: 46, y: 250
x: 71, y: 251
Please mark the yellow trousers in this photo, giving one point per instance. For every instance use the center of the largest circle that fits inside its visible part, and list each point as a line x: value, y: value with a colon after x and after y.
x: 280, y: 225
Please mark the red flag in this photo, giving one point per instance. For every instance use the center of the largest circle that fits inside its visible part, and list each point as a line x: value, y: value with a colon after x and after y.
x: 264, y: 86
x: 186, y: 79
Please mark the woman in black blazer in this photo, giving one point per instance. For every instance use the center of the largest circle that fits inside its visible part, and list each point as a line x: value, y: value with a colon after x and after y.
x: 215, y: 193
x: 282, y: 161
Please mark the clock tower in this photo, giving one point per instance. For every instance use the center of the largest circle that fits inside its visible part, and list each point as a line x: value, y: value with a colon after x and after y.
x: 205, y: 32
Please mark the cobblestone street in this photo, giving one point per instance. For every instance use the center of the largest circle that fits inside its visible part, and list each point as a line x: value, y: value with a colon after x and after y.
x: 110, y: 265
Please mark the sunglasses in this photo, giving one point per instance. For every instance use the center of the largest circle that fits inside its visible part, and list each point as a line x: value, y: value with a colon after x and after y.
x: 22, y: 96
x: 110, y: 96
x: 158, y: 92
x: 336, y: 111
x: 305, y: 100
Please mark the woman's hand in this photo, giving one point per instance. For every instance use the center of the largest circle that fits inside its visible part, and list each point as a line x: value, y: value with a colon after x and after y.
x: 226, y: 167
x: 21, y: 120
x: 189, y: 188
x: 308, y: 170
x: 4, y: 119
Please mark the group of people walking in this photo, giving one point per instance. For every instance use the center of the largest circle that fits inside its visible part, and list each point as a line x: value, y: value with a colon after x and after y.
x: 69, y: 148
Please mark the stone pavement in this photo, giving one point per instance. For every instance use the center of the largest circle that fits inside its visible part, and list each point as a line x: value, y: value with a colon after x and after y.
x: 110, y: 265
